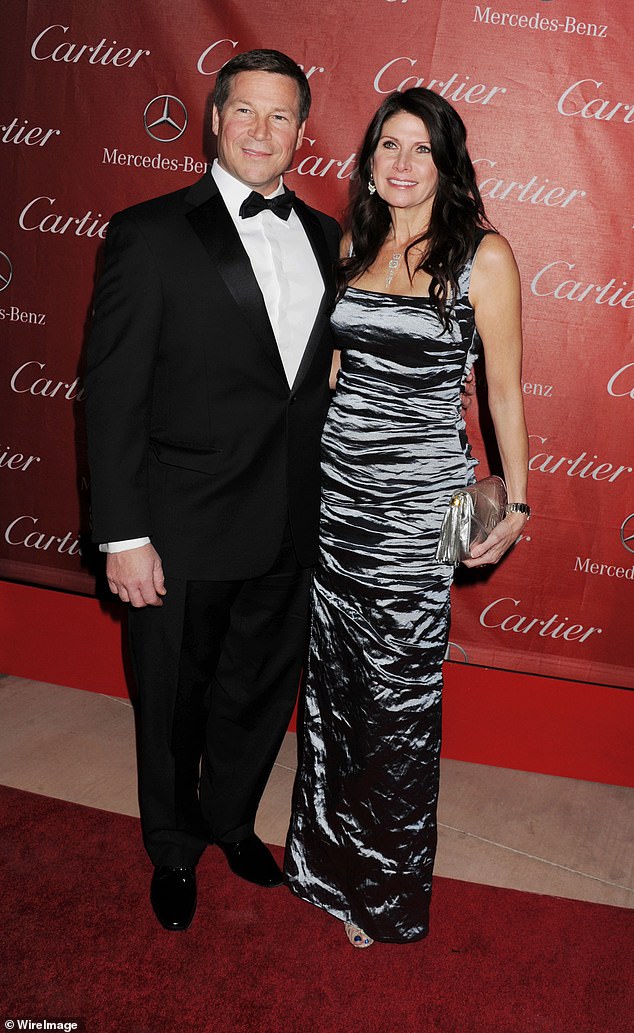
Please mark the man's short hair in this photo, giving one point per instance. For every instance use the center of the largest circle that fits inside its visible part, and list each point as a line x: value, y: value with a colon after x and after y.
x: 262, y: 61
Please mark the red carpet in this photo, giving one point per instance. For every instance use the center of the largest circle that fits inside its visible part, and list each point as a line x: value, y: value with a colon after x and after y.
x: 80, y: 942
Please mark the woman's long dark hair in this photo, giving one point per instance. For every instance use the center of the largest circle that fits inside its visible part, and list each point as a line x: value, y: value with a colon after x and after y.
x: 457, y: 211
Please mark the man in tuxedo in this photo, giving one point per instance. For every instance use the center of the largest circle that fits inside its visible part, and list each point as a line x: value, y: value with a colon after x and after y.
x: 207, y: 387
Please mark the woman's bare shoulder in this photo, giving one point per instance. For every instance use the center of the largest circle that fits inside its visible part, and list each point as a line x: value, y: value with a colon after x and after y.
x: 494, y: 254
x: 344, y: 246
x: 494, y: 268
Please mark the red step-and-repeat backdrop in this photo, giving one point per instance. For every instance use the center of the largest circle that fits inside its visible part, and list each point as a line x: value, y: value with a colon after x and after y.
x: 106, y: 104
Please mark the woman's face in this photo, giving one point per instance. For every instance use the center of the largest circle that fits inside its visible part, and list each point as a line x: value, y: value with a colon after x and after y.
x: 402, y: 167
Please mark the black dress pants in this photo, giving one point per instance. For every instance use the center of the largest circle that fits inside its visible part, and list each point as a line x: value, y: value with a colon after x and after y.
x: 218, y: 668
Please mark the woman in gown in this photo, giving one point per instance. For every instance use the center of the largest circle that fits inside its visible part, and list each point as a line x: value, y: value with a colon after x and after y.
x: 424, y: 282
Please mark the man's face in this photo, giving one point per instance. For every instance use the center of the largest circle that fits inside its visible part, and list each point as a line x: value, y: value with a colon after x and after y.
x: 258, y: 129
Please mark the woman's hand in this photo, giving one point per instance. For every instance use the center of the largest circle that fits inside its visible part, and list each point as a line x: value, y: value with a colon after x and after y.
x: 502, y: 537
x: 468, y: 390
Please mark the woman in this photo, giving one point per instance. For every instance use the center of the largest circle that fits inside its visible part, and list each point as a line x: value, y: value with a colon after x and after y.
x: 424, y: 281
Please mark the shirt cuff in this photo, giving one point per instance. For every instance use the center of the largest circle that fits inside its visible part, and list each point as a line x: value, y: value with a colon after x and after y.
x: 129, y: 543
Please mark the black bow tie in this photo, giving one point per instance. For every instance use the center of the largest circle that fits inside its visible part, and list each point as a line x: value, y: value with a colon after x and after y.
x: 281, y: 205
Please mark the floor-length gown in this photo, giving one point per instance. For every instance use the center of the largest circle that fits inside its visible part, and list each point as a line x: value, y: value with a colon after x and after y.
x: 363, y: 832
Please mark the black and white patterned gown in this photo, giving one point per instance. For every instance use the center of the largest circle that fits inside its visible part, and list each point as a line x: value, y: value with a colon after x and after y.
x: 363, y: 832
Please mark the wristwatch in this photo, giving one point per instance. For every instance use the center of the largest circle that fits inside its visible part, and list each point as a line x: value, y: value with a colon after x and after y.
x: 518, y: 507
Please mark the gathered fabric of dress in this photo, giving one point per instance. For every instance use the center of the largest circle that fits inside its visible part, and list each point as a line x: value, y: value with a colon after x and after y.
x: 362, y: 838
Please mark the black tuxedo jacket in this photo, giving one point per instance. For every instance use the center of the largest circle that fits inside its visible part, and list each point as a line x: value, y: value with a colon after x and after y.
x: 195, y: 437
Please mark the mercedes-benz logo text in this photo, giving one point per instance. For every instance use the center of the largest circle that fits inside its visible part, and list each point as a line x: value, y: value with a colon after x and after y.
x: 165, y: 118
x: 6, y: 271
x: 627, y: 533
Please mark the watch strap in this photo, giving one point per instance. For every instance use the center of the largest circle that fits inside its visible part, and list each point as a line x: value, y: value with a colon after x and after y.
x: 518, y: 507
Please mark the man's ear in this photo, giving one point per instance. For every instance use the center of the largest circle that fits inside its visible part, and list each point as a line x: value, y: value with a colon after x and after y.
x: 300, y: 136
x: 215, y: 120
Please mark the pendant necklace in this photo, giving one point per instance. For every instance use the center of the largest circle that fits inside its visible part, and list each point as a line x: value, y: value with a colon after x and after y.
x: 392, y: 266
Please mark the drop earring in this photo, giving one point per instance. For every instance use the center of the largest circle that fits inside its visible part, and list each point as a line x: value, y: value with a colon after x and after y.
x: 371, y: 186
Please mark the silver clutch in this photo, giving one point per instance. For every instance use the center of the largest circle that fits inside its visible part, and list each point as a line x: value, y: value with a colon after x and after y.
x: 472, y: 514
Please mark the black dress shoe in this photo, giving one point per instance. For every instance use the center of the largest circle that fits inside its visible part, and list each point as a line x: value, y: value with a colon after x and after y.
x: 173, y: 896
x: 253, y: 861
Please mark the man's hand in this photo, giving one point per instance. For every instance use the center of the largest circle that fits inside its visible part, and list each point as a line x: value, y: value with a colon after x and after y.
x: 136, y: 576
x: 468, y: 390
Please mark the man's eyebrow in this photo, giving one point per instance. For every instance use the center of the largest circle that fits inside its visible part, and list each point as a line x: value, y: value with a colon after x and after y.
x: 277, y: 107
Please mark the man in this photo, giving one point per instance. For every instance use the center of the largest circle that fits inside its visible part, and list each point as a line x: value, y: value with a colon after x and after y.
x: 207, y: 387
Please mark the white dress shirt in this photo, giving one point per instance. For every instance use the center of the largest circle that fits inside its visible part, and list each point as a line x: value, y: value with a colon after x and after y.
x: 288, y: 276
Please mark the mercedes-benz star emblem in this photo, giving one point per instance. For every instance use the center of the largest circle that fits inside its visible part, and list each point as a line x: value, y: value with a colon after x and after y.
x: 6, y: 271
x: 456, y: 653
x: 627, y: 533
x: 165, y: 118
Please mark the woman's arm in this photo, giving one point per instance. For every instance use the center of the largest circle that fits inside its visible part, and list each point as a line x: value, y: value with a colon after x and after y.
x: 496, y: 298
x: 334, y: 368
x: 344, y: 251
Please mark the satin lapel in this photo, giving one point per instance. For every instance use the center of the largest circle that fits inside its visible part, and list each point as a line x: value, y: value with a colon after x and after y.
x: 319, y: 245
x: 213, y: 225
